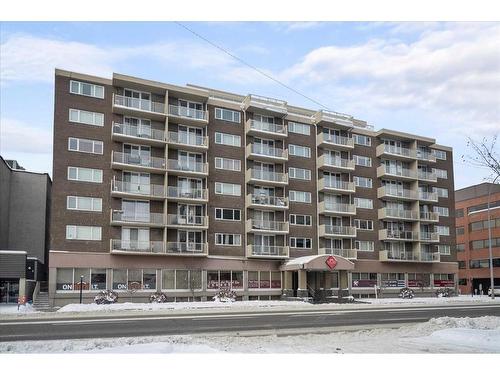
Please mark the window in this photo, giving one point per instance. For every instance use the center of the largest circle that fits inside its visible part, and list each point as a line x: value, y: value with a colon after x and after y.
x: 460, y: 231
x: 362, y: 140
x: 85, y: 233
x: 296, y: 219
x: 299, y: 196
x: 294, y: 127
x: 84, y: 203
x: 85, y: 145
x: 364, y: 245
x: 482, y: 207
x: 225, y: 188
x: 64, y: 279
x: 86, y: 117
x: 444, y: 249
x: 299, y: 173
x: 363, y: 224
x: 181, y: 279
x: 460, y: 247
x: 461, y: 265
x: 362, y: 161
x: 364, y: 182
x: 441, y: 192
x: 85, y: 174
x: 227, y: 115
x: 483, y: 244
x: 227, y: 214
x: 441, y: 173
x: 459, y: 212
x: 227, y: 239
x: 98, y: 279
x: 149, y: 279
x: 363, y: 202
x: 87, y: 89
x: 301, y: 243
x: 228, y: 164
x: 443, y: 230
x: 225, y: 279
x: 480, y: 225
x: 264, y: 279
x: 442, y: 211
x: 439, y: 154
x: 302, y: 151
x: 227, y: 139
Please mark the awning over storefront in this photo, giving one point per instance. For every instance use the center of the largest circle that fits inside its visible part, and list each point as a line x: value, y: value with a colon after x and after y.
x: 317, y: 263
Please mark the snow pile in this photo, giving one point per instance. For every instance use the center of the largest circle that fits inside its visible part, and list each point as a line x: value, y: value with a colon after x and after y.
x: 430, y: 300
x: 12, y: 309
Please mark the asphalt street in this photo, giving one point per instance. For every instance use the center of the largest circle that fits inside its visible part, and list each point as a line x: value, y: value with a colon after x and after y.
x: 80, y: 327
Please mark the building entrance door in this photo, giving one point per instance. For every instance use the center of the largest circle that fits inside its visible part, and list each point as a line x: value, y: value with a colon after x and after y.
x: 9, y: 291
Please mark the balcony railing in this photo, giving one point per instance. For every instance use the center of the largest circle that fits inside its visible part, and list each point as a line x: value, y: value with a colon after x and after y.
x: 138, y: 160
x: 429, y: 236
x: 146, y: 247
x: 397, y: 172
x: 174, y: 192
x: 426, y: 156
x: 139, y: 104
x: 189, y: 220
x: 183, y: 166
x: 137, y: 217
x: 390, y: 191
x: 266, y: 127
x: 331, y: 183
x: 337, y: 230
x: 342, y: 208
x: 430, y: 257
x: 185, y: 112
x: 265, y: 103
x: 267, y: 200
x: 258, y: 174
x: 397, y: 151
x: 344, y: 253
x: 186, y: 248
x: 399, y: 214
x: 336, y: 140
x: 388, y: 255
x: 273, y: 152
x: 182, y: 138
x: 139, y: 132
x: 427, y: 196
x: 328, y: 161
x: 402, y: 235
x: 148, y: 190
x: 268, y: 251
x: 335, y: 117
x: 429, y: 216
x: 266, y: 225
x: 429, y: 176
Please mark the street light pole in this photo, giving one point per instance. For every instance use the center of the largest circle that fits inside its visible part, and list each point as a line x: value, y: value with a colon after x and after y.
x: 81, y: 289
x: 492, y: 279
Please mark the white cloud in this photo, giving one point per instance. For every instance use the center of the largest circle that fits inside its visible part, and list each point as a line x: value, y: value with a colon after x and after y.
x: 17, y: 136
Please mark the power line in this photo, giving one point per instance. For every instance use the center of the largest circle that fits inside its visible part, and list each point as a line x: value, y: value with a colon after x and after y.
x: 250, y: 65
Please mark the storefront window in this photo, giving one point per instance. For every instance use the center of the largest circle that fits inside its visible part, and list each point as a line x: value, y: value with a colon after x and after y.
x: 212, y: 280
x: 181, y: 279
x: 419, y: 280
x: 237, y: 280
x: 64, y: 280
x: 393, y: 280
x: 98, y: 278
x: 253, y: 279
x: 149, y: 279
x: 442, y: 280
x: 364, y: 280
x: 265, y: 279
x: 196, y: 279
x: 168, y: 279
x: 85, y: 282
x: 225, y: 279
x: 134, y: 279
x: 119, y: 279
x: 276, y: 280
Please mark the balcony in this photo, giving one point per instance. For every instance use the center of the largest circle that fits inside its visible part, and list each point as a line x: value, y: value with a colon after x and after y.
x: 426, y: 156
x: 336, y: 164
x: 427, y: 196
x: 335, y: 141
x: 344, y: 253
x: 187, y: 221
x: 187, y: 141
x: 175, y: 193
x: 259, y: 251
x: 398, y: 256
x: 428, y: 236
x: 397, y: 235
x: 389, y: 192
x: 187, y: 249
x: 144, y: 135
x: 131, y: 106
x: 258, y: 128
x: 257, y: 151
x: 262, y: 104
x: 326, y: 208
x: 334, y: 118
x: 399, y: 173
x: 431, y: 217
x: 121, y: 160
x: 391, y: 213
x: 430, y: 257
x: 269, y: 178
x: 260, y: 201
x: 338, y: 231
x: 118, y: 246
x: 427, y: 176
x: 326, y: 184
x: 265, y: 226
x: 133, y: 190
x: 402, y: 153
x: 120, y: 218
x: 190, y: 168
x: 189, y: 116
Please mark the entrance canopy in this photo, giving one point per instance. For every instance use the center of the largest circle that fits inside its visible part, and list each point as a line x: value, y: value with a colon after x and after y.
x: 317, y: 263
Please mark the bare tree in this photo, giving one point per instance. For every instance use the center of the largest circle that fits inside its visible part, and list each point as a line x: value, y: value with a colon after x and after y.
x: 485, y: 155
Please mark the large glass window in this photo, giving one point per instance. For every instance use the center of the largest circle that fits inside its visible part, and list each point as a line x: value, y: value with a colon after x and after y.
x: 227, y: 189
x: 182, y: 279
x: 149, y: 279
x: 98, y: 278
x: 86, y: 89
x: 120, y: 279
x: 84, y: 233
x: 168, y: 279
x: 86, y: 117
x: 227, y: 115
x: 134, y: 279
x: 85, y: 174
x: 227, y: 139
x: 64, y: 279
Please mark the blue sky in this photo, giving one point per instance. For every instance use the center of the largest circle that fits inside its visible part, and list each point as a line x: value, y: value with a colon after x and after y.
x: 439, y: 79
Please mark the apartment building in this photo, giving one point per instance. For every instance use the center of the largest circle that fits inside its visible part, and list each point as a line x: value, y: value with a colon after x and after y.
x: 188, y: 189
x: 473, y: 239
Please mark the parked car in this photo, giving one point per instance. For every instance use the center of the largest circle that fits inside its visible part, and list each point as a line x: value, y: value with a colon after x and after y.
x: 497, y: 291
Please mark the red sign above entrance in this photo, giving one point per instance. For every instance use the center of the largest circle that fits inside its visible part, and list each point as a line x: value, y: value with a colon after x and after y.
x: 331, y: 262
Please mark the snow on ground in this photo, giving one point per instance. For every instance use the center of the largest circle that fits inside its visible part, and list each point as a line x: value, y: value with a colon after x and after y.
x: 12, y: 309
x: 439, y: 335
x: 430, y: 300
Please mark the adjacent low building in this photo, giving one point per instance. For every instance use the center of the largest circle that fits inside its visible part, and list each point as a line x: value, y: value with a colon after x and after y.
x: 24, y: 231
x: 186, y: 190
x: 473, y: 239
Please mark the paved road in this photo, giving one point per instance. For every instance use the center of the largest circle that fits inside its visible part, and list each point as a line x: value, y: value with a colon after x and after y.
x: 206, y: 322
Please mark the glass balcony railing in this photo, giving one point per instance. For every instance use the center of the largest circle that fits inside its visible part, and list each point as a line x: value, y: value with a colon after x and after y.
x: 268, y: 251
x: 148, y: 190
x: 344, y: 253
x: 186, y: 248
x: 183, y: 138
x: 185, y: 112
x: 274, y: 152
x: 267, y: 127
x: 138, y: 217
x: 139, y: 104
x: 187, y: 166
x: 144, y: 132
x: 268, y: 176
x: 268, y: 200
x: 337, y: 230
x: 138, y: 160
x: 189, y: 220
x: 183, y: 193
x: 147, y: 247
x: 266, y: 225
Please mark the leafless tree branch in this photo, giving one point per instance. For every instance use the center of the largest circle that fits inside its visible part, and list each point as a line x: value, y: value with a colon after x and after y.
x: 485, y: 155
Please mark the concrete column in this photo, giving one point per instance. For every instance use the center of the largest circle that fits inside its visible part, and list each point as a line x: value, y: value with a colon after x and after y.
x: 245, y: 285
x: 22, y: 287
x: 109, y: 279
x: 431, y: 280
x: 302, y: 290
x: 406, y: 279
x: 287, y: 283
x: 158, y: 280
x: 328, y: 283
